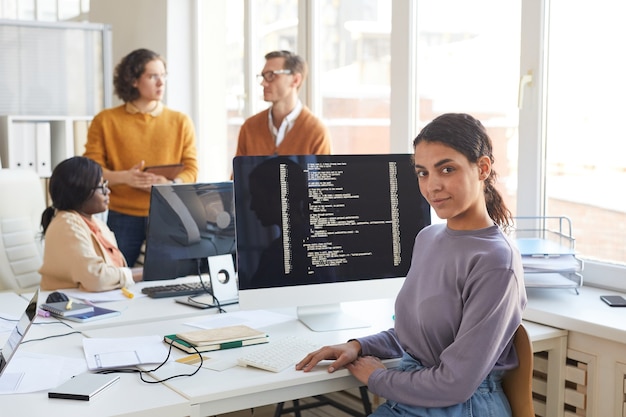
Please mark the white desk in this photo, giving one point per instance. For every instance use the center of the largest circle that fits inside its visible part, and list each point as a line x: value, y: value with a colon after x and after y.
x: 129, y: 396
x: 12, y: 303
x: 583, y: 312
x: 139, y: 309
x: 211, y: 392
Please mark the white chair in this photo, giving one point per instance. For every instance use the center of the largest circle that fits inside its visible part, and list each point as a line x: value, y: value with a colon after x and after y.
x: 21, y: 203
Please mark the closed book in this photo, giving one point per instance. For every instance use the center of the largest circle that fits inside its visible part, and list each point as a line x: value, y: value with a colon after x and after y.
x: 64, y: 308
x: 220, y: 335
x: 189, y: 348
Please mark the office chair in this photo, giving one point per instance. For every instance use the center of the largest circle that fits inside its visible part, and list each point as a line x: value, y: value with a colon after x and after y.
x: 517, y: 383
x: 21, y: 205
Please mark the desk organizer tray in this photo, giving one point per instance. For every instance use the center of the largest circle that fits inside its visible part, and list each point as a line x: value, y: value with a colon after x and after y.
x: 548, y: 252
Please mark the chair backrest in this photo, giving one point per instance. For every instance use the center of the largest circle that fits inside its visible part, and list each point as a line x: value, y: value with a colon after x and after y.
x: 517, y: 383
x: 21, y: 203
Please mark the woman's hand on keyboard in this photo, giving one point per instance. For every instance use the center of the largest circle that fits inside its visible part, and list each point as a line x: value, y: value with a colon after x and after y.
x: 343, y: 354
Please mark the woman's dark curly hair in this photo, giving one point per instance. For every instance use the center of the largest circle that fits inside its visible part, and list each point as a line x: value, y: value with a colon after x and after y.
x: 72, y: 183
x: 130, y: 68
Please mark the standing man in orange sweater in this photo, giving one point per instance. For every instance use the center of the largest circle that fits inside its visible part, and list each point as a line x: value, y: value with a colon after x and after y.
x: 141, y: 132
x: 287, y: 127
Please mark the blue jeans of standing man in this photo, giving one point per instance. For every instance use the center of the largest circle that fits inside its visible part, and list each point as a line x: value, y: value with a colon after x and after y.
x: 487, y: 401
x: 130, y: 233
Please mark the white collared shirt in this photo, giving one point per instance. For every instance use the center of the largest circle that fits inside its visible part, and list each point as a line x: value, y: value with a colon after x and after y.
x: 286, y: 125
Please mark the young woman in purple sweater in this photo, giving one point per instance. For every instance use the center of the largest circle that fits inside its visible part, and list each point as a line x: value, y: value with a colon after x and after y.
x: 463, y: 296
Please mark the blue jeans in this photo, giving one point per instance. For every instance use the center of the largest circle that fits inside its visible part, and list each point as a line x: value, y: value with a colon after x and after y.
x: 130, y: 233
x: 488, y: 401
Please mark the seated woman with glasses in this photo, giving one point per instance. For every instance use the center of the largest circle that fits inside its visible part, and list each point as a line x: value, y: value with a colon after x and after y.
x: 80, y: 251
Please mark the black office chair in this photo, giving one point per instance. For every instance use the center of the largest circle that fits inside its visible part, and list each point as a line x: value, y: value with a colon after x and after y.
x: 322, y: 400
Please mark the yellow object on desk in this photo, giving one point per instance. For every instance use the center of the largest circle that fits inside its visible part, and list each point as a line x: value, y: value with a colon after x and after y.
x: 127, y: 293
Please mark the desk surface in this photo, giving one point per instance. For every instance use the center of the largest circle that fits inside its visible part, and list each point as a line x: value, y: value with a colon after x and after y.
x: 128, y: 396
x: 139, y: 309
x: 583, y: 312
x: 212, y: 392
x: 208, y: 392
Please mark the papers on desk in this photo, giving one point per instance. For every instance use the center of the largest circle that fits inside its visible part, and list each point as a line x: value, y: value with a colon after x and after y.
x: 31, y: 372
x: 563, y: 263
x: 123, y: 352
x: 549, y: 264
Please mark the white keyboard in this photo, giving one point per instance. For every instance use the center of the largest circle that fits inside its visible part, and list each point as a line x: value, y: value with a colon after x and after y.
x: 279, y: 354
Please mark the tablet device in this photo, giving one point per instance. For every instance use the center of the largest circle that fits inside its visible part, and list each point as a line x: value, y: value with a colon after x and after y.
x: 168, y: 171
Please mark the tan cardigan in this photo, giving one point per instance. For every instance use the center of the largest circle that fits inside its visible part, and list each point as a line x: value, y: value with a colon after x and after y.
x: 73, y: 257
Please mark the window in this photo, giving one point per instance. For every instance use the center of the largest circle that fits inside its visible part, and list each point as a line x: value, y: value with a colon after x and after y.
x: 468, y: 62
x: 44, y: 10
x: 585, y: 163
x: 273, y: 26
x: 354, y: 74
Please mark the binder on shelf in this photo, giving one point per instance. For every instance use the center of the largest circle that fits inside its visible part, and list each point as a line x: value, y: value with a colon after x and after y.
x: 22, y: 148
x: 43, y: 153
x: 29, y: 146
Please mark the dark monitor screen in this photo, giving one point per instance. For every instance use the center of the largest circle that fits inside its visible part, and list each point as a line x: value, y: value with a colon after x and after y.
x: 188, y: 223
x: 324, y: 219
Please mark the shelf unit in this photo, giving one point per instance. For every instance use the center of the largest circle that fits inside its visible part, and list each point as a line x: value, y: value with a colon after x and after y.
x: 548, y: 251
x: 41, y: 142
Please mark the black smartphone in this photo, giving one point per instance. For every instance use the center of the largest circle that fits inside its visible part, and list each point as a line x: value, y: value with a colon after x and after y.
x: 614, y: 300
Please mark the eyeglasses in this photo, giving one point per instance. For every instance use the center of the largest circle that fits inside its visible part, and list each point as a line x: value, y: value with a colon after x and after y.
x: 269, y: 76
x: 104, y: 187
x: 156, y: 77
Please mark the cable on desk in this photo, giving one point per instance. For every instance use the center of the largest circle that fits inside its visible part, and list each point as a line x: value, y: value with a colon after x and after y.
x: 157, y: 381
x: 55, y: 335
x: 51, y: 337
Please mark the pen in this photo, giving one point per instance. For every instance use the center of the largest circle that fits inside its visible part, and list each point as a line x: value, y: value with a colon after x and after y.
x: 43, y: 313
x: 68, y: 306
x: 127, y: 293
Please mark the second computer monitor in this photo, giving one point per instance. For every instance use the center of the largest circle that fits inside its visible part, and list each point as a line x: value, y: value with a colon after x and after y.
x: 187, y: 224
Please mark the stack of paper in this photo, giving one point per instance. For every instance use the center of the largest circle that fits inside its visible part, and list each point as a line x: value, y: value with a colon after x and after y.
x: 206, y: 340
x: 548, y: 264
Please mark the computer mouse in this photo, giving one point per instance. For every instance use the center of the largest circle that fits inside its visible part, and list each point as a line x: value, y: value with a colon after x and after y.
x: 55, y: 297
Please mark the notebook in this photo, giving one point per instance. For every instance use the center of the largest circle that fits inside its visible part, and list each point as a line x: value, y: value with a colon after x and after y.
x: 67, y: 308
x: 18, y: 333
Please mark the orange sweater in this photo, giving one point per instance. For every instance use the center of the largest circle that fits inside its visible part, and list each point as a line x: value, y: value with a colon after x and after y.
x: 118, y: 140
x: 308, y: 136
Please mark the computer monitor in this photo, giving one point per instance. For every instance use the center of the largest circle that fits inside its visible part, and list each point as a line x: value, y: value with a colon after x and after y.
x: 187, y: 224
x: 317, y: 230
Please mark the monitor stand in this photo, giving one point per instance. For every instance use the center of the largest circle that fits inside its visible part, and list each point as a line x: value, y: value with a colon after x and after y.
x: 328, y: 317
x: 223, y: 284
